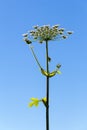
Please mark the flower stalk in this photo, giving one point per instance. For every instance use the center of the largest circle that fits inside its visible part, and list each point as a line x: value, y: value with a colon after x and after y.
x: 47, y: 88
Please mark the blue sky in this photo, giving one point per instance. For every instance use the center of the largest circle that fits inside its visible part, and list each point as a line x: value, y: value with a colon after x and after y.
x: 20, y: 78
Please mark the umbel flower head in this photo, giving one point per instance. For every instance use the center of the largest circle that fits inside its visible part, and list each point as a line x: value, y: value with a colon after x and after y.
x: 46, y: 33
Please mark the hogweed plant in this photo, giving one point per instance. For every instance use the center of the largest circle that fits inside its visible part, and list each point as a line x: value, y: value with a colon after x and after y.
x: 42, y: 35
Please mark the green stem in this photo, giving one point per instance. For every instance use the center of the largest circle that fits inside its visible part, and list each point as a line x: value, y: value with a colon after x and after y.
x: 47, y: 88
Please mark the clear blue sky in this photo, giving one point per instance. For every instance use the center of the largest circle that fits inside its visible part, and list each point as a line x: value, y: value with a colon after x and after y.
x: 20, y: 78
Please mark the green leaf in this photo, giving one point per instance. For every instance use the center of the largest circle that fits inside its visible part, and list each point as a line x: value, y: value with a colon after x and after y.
x: 58, y: 72
x: 34, y: 102
x: 30, y: 104
x: 34, y: 99
x: 44, y: 100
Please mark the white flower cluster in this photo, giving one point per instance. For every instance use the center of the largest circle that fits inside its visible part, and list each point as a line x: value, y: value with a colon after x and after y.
x: 46, y: 33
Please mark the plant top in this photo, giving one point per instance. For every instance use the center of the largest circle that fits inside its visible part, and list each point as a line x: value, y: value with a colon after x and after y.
x: 46, y: 33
